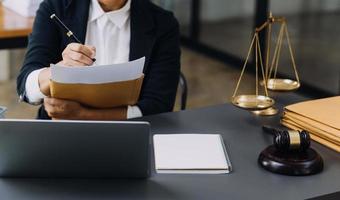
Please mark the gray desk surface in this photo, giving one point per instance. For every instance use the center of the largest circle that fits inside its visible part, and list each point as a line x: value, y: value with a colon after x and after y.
x: 244, y: 138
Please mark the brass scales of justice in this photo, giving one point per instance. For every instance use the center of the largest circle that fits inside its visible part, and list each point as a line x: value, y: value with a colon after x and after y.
x: 264, y: 104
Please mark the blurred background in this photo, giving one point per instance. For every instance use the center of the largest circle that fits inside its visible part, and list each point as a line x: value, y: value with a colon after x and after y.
x: 215, y: 36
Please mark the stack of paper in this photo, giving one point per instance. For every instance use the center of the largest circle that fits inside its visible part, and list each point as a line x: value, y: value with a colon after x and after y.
x: 319, y: 117
x: 191, y: 154
x: 27, y: 8
x: 99, y: 86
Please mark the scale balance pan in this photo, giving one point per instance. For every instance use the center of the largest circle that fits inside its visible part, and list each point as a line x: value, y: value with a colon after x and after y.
x: 266, y: 112
x: 253, y: 102
x: 282, y: 84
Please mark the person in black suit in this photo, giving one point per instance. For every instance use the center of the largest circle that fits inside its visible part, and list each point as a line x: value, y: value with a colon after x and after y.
x: 114, y: 30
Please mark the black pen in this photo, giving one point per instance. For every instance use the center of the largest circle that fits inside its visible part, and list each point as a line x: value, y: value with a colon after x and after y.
x: 69, y: 33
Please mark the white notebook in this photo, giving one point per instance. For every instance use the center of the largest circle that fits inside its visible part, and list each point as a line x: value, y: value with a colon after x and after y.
x: 191, y: 154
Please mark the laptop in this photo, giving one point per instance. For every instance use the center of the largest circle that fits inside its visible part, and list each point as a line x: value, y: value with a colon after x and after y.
x: 74, y: 149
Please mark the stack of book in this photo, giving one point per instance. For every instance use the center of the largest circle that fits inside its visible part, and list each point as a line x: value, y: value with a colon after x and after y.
x: 321, y: 118
x: 27, y: 8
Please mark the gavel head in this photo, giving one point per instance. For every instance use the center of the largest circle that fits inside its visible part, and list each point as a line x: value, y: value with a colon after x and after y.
x: 289, y: 140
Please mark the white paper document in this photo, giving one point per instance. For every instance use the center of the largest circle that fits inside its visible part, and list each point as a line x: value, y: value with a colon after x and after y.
x: 98, y: 74
x: 191, y: 154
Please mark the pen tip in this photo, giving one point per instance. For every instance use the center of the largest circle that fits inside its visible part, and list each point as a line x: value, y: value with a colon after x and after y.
x: 52, y: 16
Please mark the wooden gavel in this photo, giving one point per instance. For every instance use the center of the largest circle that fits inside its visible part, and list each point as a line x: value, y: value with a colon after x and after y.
x: 289, y: 140
x: 290, y: 154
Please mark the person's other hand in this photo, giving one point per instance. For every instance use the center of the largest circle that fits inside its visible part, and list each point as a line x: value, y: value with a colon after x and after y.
x: 78, y: 55
x: 44, y: 81
x: 63, y: 109
x: 74, y: 55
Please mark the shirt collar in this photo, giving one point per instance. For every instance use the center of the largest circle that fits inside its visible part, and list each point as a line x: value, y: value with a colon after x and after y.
x: 118, y: 17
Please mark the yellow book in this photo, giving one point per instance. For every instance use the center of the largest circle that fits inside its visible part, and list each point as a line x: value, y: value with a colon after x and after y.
x: 325, y: 111
x: 321, y: 129
x: 319, y: 117
x: 313, y: 136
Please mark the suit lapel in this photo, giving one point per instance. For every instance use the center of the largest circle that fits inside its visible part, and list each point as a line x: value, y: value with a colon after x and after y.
x: 142, y: 34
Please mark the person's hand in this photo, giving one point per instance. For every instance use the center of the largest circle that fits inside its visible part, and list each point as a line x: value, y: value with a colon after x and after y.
x: 63, y: 109
x: 78, y: 55
x: 74, y: 55
x: 44, y: 81
x: 70, y: 110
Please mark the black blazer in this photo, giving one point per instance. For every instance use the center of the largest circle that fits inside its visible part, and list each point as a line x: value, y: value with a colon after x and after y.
x: 154, y: 34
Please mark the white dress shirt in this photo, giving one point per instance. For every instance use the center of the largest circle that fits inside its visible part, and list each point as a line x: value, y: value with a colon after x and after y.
x: 110, y: 33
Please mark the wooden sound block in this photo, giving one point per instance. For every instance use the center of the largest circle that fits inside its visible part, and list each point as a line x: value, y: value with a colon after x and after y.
x: 292, y: 163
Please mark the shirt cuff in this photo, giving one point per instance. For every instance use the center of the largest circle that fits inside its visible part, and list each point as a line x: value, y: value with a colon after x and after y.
x: 134, y: 112
x: 33, y: 92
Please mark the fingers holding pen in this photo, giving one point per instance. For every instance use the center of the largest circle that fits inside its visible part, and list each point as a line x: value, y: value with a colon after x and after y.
x: 89, y: 51
x: 75, y: 54
x: 78, y: 55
